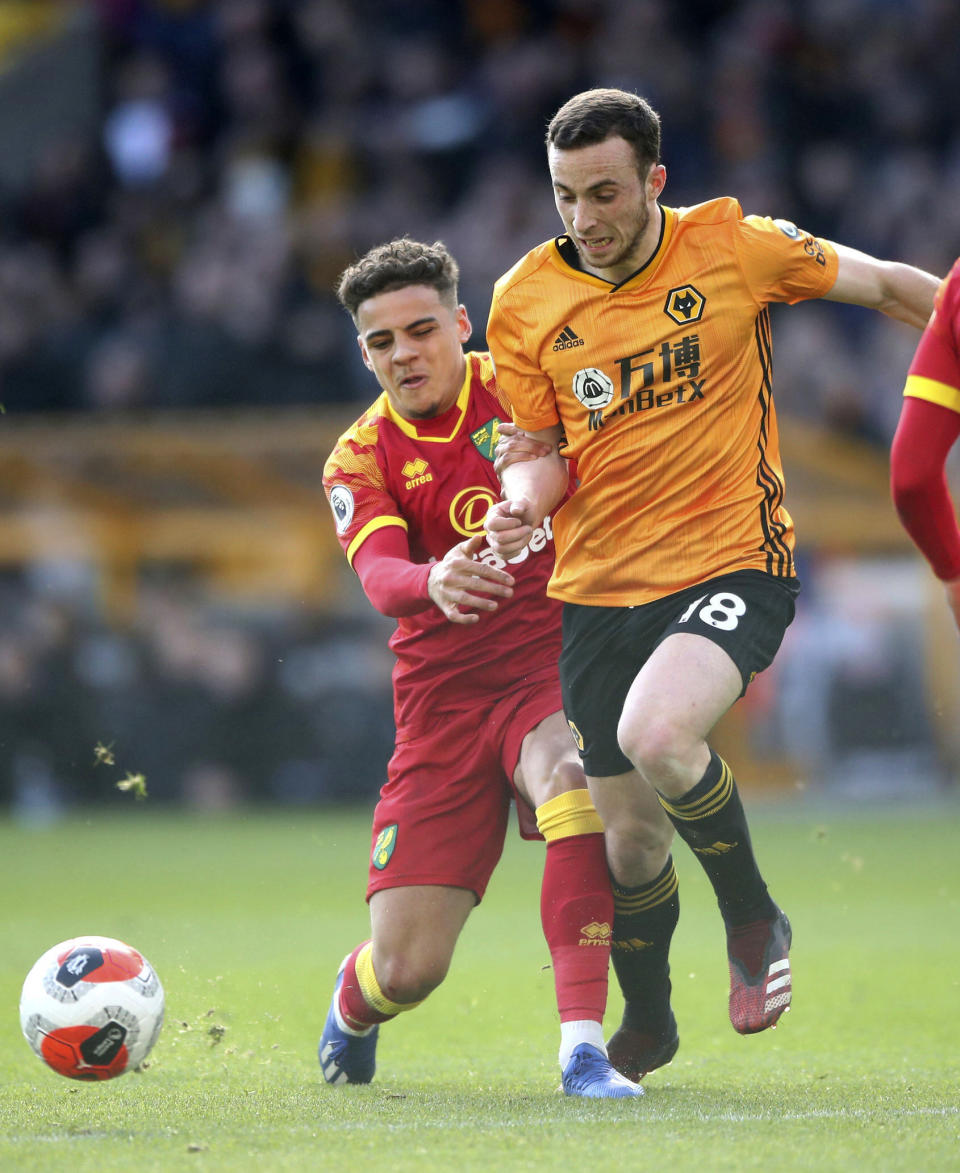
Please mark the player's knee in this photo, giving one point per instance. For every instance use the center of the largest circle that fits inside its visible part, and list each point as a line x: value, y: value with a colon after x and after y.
x: 566, y: 775
x: 646, y: 832
x: 657, y: 748
x: 637, y: 848
x: 407, y: 977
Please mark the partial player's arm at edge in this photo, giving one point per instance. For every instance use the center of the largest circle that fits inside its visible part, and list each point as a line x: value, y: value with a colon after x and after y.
x: 897, y: 290
x: 925, y: 434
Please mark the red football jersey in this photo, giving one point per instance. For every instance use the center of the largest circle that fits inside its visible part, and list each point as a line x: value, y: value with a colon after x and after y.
x: 435, y: 478
x: 935, y: 371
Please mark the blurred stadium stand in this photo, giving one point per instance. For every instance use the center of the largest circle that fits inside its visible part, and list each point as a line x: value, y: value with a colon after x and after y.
x: 181, y: 181
x: 234, y: 498
x: 49, y: 84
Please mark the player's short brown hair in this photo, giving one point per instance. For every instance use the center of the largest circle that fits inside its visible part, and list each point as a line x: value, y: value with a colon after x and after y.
x: 395, y: 265
x: 595, y: 115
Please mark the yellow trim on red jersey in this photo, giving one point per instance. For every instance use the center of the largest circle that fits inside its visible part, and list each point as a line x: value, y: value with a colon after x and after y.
x: 920, y: 387
x: 411, y: 428
x: 485, y: 362
x: 368, y: 529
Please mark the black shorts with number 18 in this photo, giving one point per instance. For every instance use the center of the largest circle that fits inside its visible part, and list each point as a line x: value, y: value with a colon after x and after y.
x: 745, y: 613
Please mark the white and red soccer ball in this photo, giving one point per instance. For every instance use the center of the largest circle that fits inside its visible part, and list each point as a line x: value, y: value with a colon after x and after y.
x: 91, y: 1008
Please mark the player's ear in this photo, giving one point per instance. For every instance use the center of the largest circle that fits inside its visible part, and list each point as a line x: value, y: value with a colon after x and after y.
x: 363, y: 354
x: 656, y: 180
x: 464, y: 327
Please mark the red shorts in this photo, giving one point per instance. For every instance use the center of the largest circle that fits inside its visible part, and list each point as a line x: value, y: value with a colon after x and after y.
x: 442, y: 815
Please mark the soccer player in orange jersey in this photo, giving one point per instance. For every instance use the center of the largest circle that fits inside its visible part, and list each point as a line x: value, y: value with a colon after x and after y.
x: 476, y: 693
x: 928, y: 427
x: 638, y: 344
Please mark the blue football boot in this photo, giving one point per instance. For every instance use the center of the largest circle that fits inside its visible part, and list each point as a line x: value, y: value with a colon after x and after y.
x: 344, y: 1057
x: 590, y: 1073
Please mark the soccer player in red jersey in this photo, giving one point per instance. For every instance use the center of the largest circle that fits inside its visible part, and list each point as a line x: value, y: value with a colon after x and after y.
x: 928, y: 426
x: 476, y: 691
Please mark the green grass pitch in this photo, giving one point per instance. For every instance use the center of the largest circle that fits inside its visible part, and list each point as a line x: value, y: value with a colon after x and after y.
x: 247, y: 916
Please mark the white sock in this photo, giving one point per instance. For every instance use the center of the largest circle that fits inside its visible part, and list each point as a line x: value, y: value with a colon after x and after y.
x: 572, y: 1034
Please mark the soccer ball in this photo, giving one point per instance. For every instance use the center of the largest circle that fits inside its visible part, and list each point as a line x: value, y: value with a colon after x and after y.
x: 91, y: 1008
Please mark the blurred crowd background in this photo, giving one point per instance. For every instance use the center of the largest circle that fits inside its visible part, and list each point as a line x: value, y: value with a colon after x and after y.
x: 176, y: 243
x: 181, y: 182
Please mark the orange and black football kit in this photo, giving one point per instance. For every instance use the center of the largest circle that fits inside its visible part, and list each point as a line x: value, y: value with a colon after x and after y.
x: 662, y: 385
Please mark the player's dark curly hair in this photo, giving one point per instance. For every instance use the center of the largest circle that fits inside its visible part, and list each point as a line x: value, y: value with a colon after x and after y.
x: 396, y: 265
x: 596, y: 115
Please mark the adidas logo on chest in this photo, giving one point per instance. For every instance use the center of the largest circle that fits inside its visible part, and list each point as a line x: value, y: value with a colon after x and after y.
x: 567, y: 339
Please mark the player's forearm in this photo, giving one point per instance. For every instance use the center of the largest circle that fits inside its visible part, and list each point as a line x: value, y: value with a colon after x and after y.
x: 897, y: 290
x: 541, y: 483
x: 908, y: 294
x: 924, y: 436
x: 394, y: 585
x: 927, y: 515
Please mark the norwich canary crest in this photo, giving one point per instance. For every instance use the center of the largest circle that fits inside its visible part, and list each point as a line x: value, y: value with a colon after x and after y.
x: 485, y: 438
x: 383, y: 848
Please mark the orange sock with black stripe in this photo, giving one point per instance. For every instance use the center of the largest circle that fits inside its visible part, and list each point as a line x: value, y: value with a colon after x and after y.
x: 643, y: 922
x: 362, y: 1003
x: 576, y: 906
x: 710, y: 819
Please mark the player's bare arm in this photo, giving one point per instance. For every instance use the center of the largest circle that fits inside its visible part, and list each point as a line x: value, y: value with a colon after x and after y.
x: 531, y: 487
x: 895, y: 289
x: 514, y: 444
x: 459, y: 580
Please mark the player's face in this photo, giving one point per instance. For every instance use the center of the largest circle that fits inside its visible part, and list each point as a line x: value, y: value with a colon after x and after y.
x: 413, y: 343
x: 608, y: 209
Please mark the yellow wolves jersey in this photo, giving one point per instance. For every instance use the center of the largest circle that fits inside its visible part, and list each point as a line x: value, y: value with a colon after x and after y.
x: 663, y: 387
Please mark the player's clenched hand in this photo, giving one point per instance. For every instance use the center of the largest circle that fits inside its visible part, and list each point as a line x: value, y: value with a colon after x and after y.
x: 953, y: 598
x: 514, y: 445
x: 509, y: 527
x: 459, y: 580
